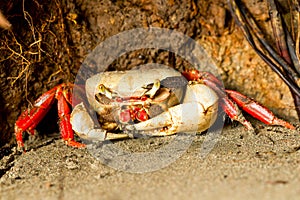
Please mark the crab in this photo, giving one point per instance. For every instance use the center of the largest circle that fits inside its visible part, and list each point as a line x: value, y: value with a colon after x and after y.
x: 155, y: 102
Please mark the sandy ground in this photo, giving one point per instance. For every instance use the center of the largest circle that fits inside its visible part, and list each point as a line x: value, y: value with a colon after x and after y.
x: 264, y: 165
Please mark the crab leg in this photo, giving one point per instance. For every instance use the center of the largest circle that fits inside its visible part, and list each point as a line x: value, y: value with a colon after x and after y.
x: 63, y: 97
x: 256, y: 110
x: 234, y: 113
x: 30, y: 118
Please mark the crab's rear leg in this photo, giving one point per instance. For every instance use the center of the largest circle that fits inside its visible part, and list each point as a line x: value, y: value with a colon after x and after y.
x: 30, y: 118
x: 256, y: 110
x: 228, y: 105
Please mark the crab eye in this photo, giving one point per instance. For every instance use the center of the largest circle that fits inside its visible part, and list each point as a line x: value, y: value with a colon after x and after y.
x: 105, y: 91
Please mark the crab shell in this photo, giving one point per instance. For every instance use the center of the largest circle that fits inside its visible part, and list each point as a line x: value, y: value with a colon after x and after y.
x: 128, y: 84
x: 195, y: 110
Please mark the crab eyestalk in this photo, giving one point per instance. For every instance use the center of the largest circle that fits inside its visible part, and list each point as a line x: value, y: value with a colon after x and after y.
x: 105, y: 91
x: 154, y: 89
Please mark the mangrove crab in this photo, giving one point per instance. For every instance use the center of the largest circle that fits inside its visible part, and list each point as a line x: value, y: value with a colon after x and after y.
x: 156, y: 102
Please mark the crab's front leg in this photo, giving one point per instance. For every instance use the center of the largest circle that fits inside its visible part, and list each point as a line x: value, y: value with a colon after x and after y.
x: 63, y: 100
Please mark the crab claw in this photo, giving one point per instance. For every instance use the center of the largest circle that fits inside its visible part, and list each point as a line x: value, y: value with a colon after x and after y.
x: 179, y: 119
x: 196, y: 114
x: 83, y: 124
x: 84, y: 127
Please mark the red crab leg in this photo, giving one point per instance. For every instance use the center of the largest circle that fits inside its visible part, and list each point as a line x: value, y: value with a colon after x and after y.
x: 205, y: 77
x: 234, y: 113
x: 229, y: 106
x: 256, y: 110
x: 30, y: 118
x: 63, y: 97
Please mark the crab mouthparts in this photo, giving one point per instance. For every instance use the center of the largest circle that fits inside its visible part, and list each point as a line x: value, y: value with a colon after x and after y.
x: 133, y: 114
